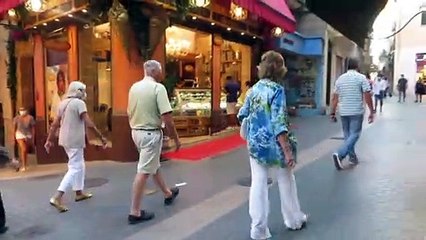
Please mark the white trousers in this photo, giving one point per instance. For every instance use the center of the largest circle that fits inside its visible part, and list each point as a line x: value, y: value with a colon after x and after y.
x: 76, y: 170
x: 259, y: 200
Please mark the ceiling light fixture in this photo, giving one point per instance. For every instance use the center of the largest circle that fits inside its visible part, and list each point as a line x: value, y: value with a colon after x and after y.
x: 229, y: 29
x: 35, y: 5
x: 70, y: 15
x: 199, y: 3
x: 277, y: 32
x: 242, y: 34
x: 57, y: 20
x: 194, y: 18
x: 238, y: 13
x: 11, y: 13
x: 84, y: 10
x: 212, y: 23
x: 44, y: 24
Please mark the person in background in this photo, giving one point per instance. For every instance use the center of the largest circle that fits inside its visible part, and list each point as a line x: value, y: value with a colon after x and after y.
x: 72, y: 120
x: 379, y: 87
x: 249, y: 85
x: 233, y: 92
x: 419, y: 90
x: 272, y: 146
x: 5, y: 161
x: 402, y: 88
x: 351, y: 90
x: 148, y: 108
x: 387, y: 90
x: 24, y: 126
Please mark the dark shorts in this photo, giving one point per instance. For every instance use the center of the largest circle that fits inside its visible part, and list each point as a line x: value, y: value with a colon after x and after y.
x: 379, y: 96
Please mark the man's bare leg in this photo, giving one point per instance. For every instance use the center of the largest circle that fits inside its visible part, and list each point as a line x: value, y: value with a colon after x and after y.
x: 159, y: 180
x: 170, y: 194
x: 138, y: 188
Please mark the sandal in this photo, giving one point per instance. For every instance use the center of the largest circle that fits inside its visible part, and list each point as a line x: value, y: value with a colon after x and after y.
x: 83, y: 196
x: 55, y: 203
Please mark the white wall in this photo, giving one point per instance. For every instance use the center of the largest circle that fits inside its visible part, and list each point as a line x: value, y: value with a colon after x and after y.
x: 409, y: 41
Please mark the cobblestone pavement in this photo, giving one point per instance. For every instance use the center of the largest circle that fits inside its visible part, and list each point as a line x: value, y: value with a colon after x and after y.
x: 382, y: 198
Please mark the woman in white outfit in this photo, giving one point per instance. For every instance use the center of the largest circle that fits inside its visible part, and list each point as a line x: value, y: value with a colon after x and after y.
x: 72, y: 119
x: 271, y: 146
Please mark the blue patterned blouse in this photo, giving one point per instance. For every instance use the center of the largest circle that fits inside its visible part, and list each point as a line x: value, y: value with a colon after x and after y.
x: 265, y: 112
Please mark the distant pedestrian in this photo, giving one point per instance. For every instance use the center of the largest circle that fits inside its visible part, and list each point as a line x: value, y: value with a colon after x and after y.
x: 387, y: 91
x: 72, y: 119
x: 148, y: 109
x: 249, y: 85
x: 379, y: 87
x: 5, y: 161
x: 402, y: 87
x: 420, y: 90
x: 24, y: 125
x: 271, y: 145
x: 233, y: 92
x: 350, y: 90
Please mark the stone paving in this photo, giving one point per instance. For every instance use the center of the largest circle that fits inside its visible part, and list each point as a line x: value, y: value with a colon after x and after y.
x: 382, y: 198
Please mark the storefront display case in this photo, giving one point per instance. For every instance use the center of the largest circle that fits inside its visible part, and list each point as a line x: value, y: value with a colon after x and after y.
x: 192, y: 110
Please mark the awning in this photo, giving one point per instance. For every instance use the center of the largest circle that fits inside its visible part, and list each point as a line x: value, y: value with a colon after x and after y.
x: 353, y: 19
x: 275, y: 12
x: 5, y: 5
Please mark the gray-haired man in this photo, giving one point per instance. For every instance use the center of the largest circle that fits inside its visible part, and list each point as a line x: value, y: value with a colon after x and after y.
x: 148, y: 108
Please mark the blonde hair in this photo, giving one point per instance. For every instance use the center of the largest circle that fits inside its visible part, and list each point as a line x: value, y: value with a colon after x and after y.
x: 272, y: 66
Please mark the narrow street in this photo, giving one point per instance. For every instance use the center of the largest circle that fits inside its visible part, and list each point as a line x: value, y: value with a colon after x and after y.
x: 382, y: 198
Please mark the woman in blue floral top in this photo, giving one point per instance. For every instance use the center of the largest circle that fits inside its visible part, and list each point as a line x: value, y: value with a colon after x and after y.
x: 271, y: 146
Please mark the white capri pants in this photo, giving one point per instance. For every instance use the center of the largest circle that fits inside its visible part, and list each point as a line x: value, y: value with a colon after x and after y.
x: 76, y: 170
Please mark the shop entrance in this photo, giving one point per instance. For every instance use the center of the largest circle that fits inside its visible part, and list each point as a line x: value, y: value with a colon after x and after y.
x: 189, y: 71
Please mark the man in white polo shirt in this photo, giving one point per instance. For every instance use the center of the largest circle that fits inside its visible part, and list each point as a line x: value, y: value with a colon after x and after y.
x: 148, y: 108
x: 351, y: 89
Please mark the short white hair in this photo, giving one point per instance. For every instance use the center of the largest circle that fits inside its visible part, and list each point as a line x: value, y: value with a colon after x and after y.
x: 151, y: 66
x: 76, y: 89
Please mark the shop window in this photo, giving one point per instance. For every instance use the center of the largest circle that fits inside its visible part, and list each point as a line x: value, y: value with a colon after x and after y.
x: 188, y: 79
x: 56, y: 78
x: 95, y: 71
x: 300, y: 81
x: 236, y: 64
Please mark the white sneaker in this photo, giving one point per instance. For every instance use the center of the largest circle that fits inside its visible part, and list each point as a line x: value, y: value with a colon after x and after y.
x: 337, y: 161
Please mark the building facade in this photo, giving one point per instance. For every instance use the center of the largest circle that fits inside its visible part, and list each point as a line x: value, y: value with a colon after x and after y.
x: 410, y: 43
x: 317, y: 55
x: 198, y: 47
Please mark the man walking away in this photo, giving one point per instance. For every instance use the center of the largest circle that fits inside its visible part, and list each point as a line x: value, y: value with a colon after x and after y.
x: 402, y: 87
x: 148, y: 108
x: 350, y: 90
x: 379, y: 88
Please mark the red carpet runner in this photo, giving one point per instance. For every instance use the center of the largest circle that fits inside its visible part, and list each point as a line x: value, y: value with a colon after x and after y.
x: 212, y: 148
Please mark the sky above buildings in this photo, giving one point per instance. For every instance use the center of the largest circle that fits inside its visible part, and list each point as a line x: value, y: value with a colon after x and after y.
x: 382, y: 27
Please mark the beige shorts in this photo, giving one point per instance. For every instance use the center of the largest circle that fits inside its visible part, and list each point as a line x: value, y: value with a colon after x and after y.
x: 231, y: 108
x: 149, y: 145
